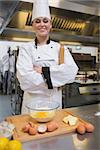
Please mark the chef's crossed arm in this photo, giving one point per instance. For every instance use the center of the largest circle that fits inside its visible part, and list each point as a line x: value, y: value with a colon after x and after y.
x: 55, y: 75
x: 58, y: 75
x: 64, y: 73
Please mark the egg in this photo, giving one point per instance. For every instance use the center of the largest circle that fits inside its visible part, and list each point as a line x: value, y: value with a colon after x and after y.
x: 31, y: 124
x: 52, y: 126
x: 25, y: 129
x: 89, y: 127
x: 81, y: 129
x: 42, y: 128
x: 32, y: 131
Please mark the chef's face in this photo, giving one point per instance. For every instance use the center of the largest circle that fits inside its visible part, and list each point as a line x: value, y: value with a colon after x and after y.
x: 42, y: 26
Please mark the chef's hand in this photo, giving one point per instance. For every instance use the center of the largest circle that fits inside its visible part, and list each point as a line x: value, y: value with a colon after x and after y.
x: 38, y: 69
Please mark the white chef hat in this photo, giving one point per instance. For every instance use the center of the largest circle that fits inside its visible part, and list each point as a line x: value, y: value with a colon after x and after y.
x: 41, y: 9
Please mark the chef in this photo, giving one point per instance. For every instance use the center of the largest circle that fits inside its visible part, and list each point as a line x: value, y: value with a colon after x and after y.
x: 38, y: 69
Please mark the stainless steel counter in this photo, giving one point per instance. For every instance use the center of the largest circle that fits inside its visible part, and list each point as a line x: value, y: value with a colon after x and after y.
x: 73, y: 141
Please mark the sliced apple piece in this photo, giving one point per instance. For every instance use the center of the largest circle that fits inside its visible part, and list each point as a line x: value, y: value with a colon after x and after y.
x: 73, y: 120
x: 70, y: 119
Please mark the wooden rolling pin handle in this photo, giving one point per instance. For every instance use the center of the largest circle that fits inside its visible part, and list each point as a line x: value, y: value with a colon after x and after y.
x: 61, y: 55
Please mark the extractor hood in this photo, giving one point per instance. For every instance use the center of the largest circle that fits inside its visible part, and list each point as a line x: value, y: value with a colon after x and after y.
x: 7, y: 10
x: 71, y: 20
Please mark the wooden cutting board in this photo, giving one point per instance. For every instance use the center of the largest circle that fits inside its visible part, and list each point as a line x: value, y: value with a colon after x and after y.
x: 21, y: 120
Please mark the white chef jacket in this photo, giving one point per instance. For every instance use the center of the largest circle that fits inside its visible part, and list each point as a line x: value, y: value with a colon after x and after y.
x: 32, y: 83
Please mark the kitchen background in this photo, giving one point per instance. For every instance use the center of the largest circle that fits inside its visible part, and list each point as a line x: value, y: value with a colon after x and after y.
x: 76, y: 25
